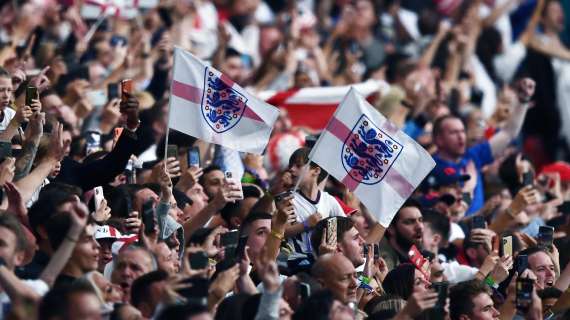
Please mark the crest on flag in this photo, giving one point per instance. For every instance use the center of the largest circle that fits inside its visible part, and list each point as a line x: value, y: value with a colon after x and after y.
x: 368, y: 152
x: 222, y: 106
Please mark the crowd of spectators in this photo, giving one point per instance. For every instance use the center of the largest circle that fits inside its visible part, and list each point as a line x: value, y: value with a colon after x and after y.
x: 97, y: 221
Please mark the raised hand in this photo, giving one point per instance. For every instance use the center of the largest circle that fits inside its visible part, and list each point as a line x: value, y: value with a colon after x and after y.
x: 7, y: 170
x: 103, y: 213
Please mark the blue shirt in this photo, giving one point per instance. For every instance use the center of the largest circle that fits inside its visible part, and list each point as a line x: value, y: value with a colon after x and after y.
x: 481, y: 156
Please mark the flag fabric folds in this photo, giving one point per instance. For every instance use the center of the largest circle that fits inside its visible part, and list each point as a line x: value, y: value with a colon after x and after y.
x: 371, y: 156
x: 206, y: 104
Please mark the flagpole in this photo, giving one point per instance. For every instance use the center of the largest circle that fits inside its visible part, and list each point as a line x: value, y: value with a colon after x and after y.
x: 306, y: 166
x: 94, y: 27
x: 169, y: 108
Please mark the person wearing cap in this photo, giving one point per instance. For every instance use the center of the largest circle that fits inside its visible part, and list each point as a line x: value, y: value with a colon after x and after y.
x: 106, y: 235
x: 449, y: 137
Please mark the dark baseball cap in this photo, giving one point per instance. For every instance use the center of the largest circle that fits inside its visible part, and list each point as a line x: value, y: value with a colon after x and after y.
x: 442, y: 176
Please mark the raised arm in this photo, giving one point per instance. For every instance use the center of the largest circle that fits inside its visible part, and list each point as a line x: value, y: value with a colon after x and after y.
x: 500, y: 141
x: 33, y: 134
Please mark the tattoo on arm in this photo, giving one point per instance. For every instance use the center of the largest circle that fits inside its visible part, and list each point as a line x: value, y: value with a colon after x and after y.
x: 25, y: 160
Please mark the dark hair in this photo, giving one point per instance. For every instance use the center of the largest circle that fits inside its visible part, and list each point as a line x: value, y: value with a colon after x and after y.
x: 532, y: 250
x: 316, y: 307
x: 9, y: 221
x: 253, y: 216
x: 141, y: 286
x: 231, y: 209
x: 509, y: 174
x: 56, y: 302
x: 413, y: 203
x: 462, y: 295
x: 388, y: 305
x: 343, y: 224
x: 182, y: 311
x: 181, y: 199
x: 57, y: 227
x: 301, y: 157
x: 438, y: 222
x: 46, y: 206
x: 250, y: 307
x: 400, y: 281
x: 230, y: 308
x: 200, y: 235
x: 438, y: 124
x: 207, y: 170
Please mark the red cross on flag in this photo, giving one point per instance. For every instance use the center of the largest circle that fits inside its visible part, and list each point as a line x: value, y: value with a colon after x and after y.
x: 371, y: 156
x: 208, y: 105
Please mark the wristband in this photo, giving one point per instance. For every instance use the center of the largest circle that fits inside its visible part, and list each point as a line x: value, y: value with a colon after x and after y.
x: 364, y: 279
x: 491, y: 282
x: 277, y: 235
x: 70, y: 238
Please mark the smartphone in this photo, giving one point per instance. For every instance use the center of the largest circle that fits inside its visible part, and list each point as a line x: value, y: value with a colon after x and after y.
x: 417, y: 259
x: 545, y: 236
x: 331, y: 232
x: 528, y: 179
x: 98, y: 197
x: 478, y: 222
x: 194, y: 157
x: 230, y: 177
x: 172, y: 151
x: 148, y: 216
x: 521, y: 263
x: 441, y: 289
x: 304, y: 290
x: 112, y: 91
x: 31, y: 94
x: 127, y: 86
x: 92, y: 142
x: 376, y: 249
x: 229, y: 238
x: 240, y: 250
x: 507, y: 246
x: 280, y: 196
x: 523, y: 300
x: 198, y: 260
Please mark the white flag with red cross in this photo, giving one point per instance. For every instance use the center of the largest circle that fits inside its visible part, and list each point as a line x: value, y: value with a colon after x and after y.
x: 371, y: 156
x: 208, y: 105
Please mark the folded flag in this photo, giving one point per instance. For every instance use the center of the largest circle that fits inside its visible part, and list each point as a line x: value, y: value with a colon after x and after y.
x: 206, y: 104
x: 371, y: 156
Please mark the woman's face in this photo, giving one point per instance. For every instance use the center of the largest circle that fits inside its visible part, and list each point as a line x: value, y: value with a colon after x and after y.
x: 420, y: 282
x: 111, y: 292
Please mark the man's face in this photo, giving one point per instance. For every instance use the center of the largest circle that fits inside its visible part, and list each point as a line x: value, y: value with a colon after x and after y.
x: 233, y: 68
x: 541, y: 264
x: 5, y: 92
x: 199, y: 200
x: 484, y: 308
x: 84, y: 306
x: 452, y: 138
x: 340, y: 278
x: 258, y: 231
x: 165, y: 258
x: 213, y: 182
x: 352, y: 247
x: 8, y: 248
x: 430, y: 239
x: 51, y: 104
x: 297, y: 171
x: 409, y: 228
x: 86, y: 252
x: 130, y: 265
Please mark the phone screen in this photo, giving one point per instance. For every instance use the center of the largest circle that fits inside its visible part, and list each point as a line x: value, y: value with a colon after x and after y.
x: 172, y: 151
x: 521, y: 263
x: 523, y: 294
x: 528, y: 178
x: 194, y: 157
x: 112, y: 91
x: 545, y: 236
x: 198, y: 260
x: 508, y: 246
x: 229, y: 238
x: 478, y: 222
x: 31, y: 93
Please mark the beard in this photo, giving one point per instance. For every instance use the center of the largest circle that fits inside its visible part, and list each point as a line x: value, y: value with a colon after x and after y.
x: 406, y: 244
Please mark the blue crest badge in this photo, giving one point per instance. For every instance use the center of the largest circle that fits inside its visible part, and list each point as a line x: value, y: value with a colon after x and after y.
x: 368, y: 152
x: 222, y: 106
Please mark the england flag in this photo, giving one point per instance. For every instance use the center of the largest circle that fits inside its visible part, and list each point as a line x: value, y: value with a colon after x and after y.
x: 208, y: 105
x: 371, y: 156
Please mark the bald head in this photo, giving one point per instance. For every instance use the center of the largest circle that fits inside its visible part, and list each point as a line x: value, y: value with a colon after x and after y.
x: 336, y: 273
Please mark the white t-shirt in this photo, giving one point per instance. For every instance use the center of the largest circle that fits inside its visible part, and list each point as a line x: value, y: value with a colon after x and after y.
x: 9, y: 114
x: 38, y: 286
x: 325, y: 204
